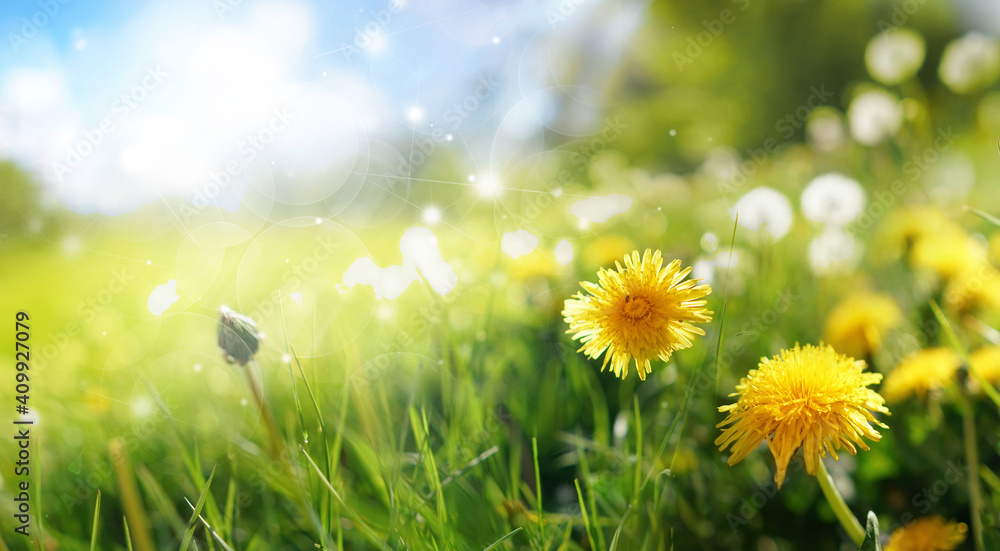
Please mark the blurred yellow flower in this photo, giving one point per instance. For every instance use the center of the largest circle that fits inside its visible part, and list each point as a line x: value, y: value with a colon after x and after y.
x: 642, y: 311
x: 986, y: 362
x: 856, y: 325
x: 809, y: 397
x: 921, y: 372
x: 927, y: 534
x: 974, y: 287
x: 994, y: 246
x: 905, y: 227
x: 947, y: 253
x: 538, y: 262
x: 605, y: 250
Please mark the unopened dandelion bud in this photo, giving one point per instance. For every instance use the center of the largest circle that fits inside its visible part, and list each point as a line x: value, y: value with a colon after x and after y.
x: 238, y: 336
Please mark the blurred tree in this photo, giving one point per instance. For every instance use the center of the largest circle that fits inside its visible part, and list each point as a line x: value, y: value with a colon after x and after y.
x: 736, y: 72
x: 20, y: 198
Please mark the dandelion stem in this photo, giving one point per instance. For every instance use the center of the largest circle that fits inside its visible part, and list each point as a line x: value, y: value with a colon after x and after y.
x: 844, y: 514
x: 265, y: 412
x: 972, y: 458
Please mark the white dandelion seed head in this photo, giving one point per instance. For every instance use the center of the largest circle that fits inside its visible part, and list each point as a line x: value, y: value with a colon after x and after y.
x: 564, y: 252
x: 951, y: 179
x: 874, y: 115
x: 833, y: 251
x: 970, y: 62
x: 833, y: 199
x: 704, y: 270
x: 895, y: 55
x: 709, y: 242
x: 825, y: 130
x: 764, y: 207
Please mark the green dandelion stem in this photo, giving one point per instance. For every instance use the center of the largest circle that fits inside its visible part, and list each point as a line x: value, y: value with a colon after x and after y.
x: 844, y: 514
x: 277, y: 443
x: 972, y: 458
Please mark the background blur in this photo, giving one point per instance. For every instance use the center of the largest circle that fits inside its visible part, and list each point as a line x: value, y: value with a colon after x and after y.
x: 402, y: 194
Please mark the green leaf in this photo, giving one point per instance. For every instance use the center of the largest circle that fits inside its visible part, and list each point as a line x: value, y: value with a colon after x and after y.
x: 193, y: 523
x: 871, y: 542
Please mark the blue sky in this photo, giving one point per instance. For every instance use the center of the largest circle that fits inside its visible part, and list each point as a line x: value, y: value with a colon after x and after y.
x: 115, y: 104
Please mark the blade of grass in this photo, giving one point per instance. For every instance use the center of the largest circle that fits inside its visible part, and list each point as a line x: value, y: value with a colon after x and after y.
x: 969, y: 428
x: 161, y: 500
x: 295, y: 392
x: 949, y: 331
x: 583, y: 510
x: 208, y: 527
x: 131, y: 501
x: 192, y: 524
x: 972, y: 458
x: 227, y: 528
x: 422, y: 437
x: 984, y: 215
x: 504, y: 538
x: 585, y: 469
x: 354, y: 514
x: 40, y: 514
x: 637, y: 487
x: 618, y: 531
x: 97, y: 519
x: 190, y: 461
x: 128, y: 537
x: 538, y: 488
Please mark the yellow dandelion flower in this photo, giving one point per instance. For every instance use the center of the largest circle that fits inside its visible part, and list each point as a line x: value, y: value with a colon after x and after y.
x: 927, y: 370
x: 986, y: 362
x: 856, y: 325
x: 906, y: 226
x: 977, y: 286
x: 927, y: 534
x: 947, y: 253
x: 809, y: 397
x: 640, y: 311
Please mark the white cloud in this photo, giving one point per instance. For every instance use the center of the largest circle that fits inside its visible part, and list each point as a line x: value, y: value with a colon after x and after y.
x: 421, y: 258
x: 171, y: 112
x: 163, y: 297
x: 518, y: 243
x: 388, y: 283
x: 598, y: 209
x: 564, y: 252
